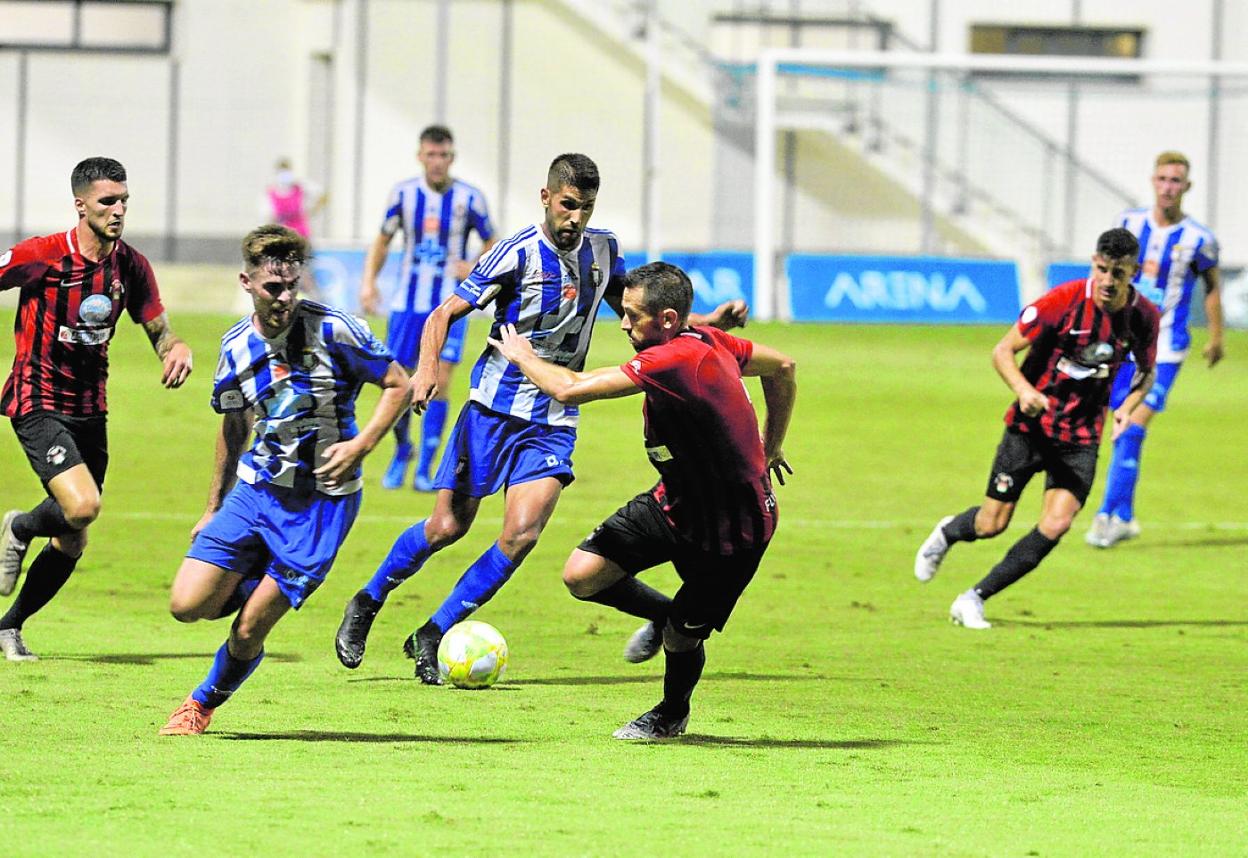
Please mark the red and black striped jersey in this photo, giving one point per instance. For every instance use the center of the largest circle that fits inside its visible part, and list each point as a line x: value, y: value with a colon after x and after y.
x: 1076, y: 349
x: 66, y: 314
x: 702, y: 437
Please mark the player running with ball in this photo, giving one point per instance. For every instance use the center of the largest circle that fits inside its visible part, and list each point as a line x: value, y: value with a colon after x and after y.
x: 713, y: 513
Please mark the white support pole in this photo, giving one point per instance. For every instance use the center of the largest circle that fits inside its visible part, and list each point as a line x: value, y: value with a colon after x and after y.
x: 764, y: 163
x: 653, y: 107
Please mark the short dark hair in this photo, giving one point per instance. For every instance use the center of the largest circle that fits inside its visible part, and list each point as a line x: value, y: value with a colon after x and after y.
x: 436, y: 134
x: 93, y: 170
x: 573, y: 170
x: 272, y: 243
x: 663, y: 287
x: 1118, y: 243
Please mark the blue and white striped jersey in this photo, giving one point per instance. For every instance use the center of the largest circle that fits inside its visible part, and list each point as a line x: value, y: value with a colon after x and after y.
x: 435, y: 232
x: 1171, y: 260
x: 552, y: 297
x: 301, y: 387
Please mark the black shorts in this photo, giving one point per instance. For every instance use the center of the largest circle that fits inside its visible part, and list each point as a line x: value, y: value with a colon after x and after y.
x: 54, y: 443
x: 638, y: 536
x: 1022, y: 454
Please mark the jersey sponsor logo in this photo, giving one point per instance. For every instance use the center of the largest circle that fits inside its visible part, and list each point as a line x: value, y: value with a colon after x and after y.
x: 94, y: 337
x: 659, y: 453
x: 904, y: 290
x: 1079, y: 372
x: 96, y: 309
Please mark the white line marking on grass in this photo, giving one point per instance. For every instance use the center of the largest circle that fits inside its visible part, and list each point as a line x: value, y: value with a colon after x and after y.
x: 830, y: 523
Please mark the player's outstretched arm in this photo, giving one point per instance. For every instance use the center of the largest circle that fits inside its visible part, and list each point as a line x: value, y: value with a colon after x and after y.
x: 1030, y: 400
x: 174, y: 354
x: 1213, y: 312
x: 231, y: 441
x: 424, y: 381
x: 341, y: 458
x: 778, y: 374
x: 566, y: 386
x: 374, y: 261
x: 728, y: 315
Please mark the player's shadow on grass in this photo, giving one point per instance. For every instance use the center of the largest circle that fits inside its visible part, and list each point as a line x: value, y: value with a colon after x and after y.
x: 1122, y: 624
x: 150, y: 658
x: 650, y: 677
x: 795, y: 744
x: 366, y: 738
x: 1192, y: 542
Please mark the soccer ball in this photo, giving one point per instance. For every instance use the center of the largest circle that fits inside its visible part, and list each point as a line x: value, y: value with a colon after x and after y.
x: 472, y: 655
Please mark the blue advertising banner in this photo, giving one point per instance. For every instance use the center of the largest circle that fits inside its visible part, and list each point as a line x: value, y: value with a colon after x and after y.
x: 717, y: 275
x: 338, y: 272
x: 1063, y: 272
x: 924, y: 289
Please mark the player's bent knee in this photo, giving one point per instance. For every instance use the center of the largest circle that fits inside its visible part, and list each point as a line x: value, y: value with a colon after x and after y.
x: 441, y: 531
x: 81, y: 514
x: 1055, y: 527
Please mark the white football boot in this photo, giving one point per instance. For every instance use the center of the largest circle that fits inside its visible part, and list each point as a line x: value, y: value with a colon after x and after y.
x: 13, y: 647
x: 12, y: 553
x: 1098, y: 534
x: 1121, y: 531
x: 967, y: 611
x: 932, y: 552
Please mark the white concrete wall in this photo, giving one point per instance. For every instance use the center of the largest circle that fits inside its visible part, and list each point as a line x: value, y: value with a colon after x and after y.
x: 246, y: 65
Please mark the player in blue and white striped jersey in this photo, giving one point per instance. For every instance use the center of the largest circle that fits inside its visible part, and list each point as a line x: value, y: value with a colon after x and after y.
x: 278, y: 513
x: 1175, y: 252
x: 547, y: 280
x: 436, y: 214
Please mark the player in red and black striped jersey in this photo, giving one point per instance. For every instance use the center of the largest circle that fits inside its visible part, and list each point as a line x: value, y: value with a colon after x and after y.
x: 74, y: 288
x: 713, y: 513
x: 1077, y: 336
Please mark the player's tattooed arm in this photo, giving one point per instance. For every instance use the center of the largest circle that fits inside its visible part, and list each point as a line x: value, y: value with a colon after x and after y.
x: 174, y: 354
x: 231, y: 441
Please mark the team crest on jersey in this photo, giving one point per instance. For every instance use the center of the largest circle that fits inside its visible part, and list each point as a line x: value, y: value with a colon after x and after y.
x: 118, y: 288
x: 569, y: 291
x: 595, y: 275
x: 1003, y: 483
x: 432, y: 223
x: 56, y: 455
x: 280, y: 371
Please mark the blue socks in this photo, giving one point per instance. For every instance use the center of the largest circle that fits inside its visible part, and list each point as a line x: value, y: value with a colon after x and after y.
x: 1124, y: 471
x: 224, y: 678
x: 407, y: 555
x: 477, y: 586
x: 431, y: 434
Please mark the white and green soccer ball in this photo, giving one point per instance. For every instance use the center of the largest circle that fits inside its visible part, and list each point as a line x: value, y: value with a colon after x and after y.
x: 472, y: 655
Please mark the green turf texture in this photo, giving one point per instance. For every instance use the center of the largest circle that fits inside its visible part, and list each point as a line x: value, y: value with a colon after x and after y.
x: 840, y: 713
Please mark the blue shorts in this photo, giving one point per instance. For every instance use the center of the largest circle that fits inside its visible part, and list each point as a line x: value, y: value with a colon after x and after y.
x: 262, y: 530
x: 488, y: 451
x: 403, y: 338
x: 1156, y: 396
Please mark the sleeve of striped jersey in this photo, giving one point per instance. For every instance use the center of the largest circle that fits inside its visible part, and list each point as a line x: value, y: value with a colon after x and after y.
x: 21, y: 264
x: 1206, y: 255
x: 1046, y: 312
x: 355, y: 349
x: 227, y: 393
x: 142, y: 295
x: 492, y: 271
x: 479, y: 216
x: 393, y: 220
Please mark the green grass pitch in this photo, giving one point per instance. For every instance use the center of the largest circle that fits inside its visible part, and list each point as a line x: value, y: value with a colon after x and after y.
x: 840, y: 713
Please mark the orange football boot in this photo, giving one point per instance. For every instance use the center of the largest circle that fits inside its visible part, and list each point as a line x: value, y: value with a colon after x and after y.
x: 189, y: 719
